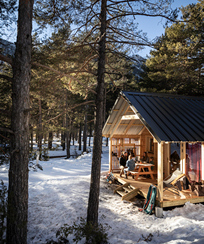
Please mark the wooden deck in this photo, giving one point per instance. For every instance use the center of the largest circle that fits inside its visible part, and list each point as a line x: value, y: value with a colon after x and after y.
x: 170, y: 199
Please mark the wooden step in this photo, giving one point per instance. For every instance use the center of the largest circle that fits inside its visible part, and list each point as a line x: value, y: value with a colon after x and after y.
x: 122, y: 193
x: 121, y: 187
x: 127, y: 189
x: 130, y: 194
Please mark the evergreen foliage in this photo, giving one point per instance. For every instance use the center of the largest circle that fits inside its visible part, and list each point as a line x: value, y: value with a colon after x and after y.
x: 88, y: 48
x: 83, y: 230
x: 7, y: 15
x: 104, y: 31
x: 3, y: 211
x: 176, y: 65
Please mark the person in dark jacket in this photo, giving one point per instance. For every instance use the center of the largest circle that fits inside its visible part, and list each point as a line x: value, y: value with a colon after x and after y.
x: 122, y: 162
x: 145, y: 158
x: 174, y: 161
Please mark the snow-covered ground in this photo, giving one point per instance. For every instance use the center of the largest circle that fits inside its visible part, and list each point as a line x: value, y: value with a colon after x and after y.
x: 58, y: 195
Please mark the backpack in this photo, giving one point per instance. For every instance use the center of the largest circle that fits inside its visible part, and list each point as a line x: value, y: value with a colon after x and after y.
x: 110, y: 177
x: 150, y: 200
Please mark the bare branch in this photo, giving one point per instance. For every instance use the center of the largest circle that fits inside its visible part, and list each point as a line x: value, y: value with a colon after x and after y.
x: 85, y: 63
x: 5, y: 77
x: 129, y: 42
x: 70, y: 108
x: 63, y: 74
x: 6, y: 130
x: 6, y: 59
x: 128, y: 2
x: 141, y: 14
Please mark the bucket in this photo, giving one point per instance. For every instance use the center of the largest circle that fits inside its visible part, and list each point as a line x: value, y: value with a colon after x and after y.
x: 159, y: 212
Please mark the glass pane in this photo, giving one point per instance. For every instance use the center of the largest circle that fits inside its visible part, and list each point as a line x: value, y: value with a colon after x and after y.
x: 115, y: 163
x: 114, y: 141
x: 135, y: 141
x: 126, y: 141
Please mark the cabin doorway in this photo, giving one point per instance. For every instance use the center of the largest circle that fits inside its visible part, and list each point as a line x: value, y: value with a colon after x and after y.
x: 175, y: 157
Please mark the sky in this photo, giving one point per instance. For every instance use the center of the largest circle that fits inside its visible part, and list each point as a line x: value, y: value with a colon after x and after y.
x: 154, y: 26
x: 58, y: 195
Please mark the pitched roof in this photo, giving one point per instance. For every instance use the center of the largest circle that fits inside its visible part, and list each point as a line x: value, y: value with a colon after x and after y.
x: 169, y: 117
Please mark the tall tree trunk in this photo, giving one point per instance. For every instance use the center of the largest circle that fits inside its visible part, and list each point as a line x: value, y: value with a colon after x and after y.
x: 93, y: 203
x: 18, y: 172
x: 104, y: 107
x: 31, y: 138
x: 90, y: 134
x: 68, y: 141
x: 67, y: 129
x: 106, y: 141
x: 71, y: 132
x: 73, y: 136
x: 63, y: 134
x: 80, y: 136
x: 36, y: 137
x: 45, y: 137
x: 40, y: 130
x: 85, y: 131
x: 50, y: 140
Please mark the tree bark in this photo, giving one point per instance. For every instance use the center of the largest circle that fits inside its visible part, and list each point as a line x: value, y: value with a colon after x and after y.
x: 63, y: 134
x: 73, y: 137
x: 67, y: 128
x: 85, y: 130
x: 40, y: 130
x: 93, y: 203
x: 90, y: 134
x: 106, y: 141
x: 104, y: 107
x: 31, y: 139
x: 18, y: 172
x: 80, y: 136
x: 50, y: 140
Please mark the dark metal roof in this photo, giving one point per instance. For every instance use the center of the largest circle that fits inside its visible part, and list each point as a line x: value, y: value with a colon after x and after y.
x: 169, y: 117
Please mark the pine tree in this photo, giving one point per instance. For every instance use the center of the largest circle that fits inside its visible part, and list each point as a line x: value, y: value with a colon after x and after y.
x: 18, y: 172
x: 177, y: 63
x: 105, y: 32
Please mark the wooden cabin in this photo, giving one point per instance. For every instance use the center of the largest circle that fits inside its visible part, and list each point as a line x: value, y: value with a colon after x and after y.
x: 159, y: 124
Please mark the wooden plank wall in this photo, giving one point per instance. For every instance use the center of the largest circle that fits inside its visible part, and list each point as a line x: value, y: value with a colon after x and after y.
x: 145, y: 134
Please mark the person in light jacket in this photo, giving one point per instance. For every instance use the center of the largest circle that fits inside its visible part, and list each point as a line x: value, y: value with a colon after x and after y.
x: 130, y: 164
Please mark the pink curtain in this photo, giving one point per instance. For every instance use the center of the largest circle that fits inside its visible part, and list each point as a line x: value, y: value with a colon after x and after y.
x: 193, y: 161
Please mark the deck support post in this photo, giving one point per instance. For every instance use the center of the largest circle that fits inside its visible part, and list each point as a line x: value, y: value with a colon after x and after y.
x: 202, y: 160
x: 110, y: 154
x: 183, y: 157
x: 160, y: 170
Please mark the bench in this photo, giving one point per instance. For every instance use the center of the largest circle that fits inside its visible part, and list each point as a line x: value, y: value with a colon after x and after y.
x: 136, y: 173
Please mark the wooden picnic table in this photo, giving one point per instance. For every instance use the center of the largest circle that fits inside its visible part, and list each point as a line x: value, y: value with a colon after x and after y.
x: 140, y: 170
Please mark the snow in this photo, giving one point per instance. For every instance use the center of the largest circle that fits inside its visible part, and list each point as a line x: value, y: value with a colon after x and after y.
x: 58, y: 195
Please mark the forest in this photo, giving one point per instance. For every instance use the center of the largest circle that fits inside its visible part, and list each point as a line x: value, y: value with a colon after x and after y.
x: 65, y: 70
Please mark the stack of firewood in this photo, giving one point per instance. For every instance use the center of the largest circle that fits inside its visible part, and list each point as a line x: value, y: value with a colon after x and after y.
x: 198, y: 188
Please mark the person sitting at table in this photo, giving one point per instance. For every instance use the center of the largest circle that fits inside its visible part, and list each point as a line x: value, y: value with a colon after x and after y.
x: 122, y: 162
x: 151, y: 161
x: 130, y: 166
x: 174, y: 161
x: 145, y: 158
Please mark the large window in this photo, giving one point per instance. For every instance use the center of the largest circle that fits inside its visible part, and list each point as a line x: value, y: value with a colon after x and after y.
x: 193, y: 161
x: 129, y: 145
x: 149, y: 144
